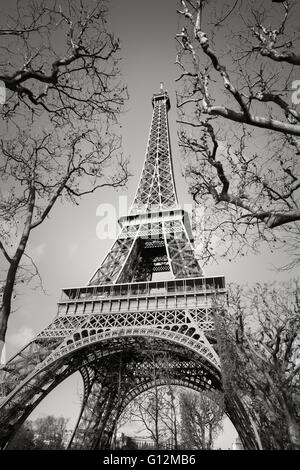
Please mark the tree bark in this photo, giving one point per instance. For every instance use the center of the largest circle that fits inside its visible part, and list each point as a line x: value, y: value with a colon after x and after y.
x: 291, y: 421
x: 5, y: 309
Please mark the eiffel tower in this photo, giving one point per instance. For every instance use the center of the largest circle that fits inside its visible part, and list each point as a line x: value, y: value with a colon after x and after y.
x: 112, y: 329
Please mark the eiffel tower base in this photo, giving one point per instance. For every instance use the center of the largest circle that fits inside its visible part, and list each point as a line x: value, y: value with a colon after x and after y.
x: 116, y: 365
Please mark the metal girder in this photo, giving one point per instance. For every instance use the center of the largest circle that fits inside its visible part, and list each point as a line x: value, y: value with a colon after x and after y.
x: 130, y: 259
x: 114, y: 262
x: 130, y: 373
x: 156, y: 189
x: 107, y: 329
x: 93, y: 416
x: 98, y: 356
x: 136, y: 258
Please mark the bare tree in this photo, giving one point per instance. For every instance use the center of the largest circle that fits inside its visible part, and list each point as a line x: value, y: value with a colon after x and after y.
x: 59, y: 59
x: 201, y: 417
x: 59, y: 139
x: 171, y: 419
x: 38, y: 172
x: 156, y: 409
x: 145, y: 410
x: 238, y: 63
x: 259, y: 350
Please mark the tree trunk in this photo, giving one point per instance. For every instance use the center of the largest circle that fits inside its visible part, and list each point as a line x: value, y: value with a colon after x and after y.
x: 156, y: 417
x: 291, y: 421
x: 5, y: 308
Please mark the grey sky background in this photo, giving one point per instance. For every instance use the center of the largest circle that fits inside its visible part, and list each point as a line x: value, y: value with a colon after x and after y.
x: 66, y: 247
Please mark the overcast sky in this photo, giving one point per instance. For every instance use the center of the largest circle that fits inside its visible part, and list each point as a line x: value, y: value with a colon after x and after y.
x: 66, y: 247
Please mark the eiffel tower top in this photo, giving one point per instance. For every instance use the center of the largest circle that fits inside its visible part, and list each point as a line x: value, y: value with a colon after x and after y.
x: 156, y: 190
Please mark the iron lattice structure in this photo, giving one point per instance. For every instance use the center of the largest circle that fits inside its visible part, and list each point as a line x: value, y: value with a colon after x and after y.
x: 122, y: 323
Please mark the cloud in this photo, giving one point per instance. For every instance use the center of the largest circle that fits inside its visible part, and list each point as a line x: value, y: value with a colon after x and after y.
x: 72, y: 249
x: 39, y: 250
x: 21, y: 338
x: 2, y: 352
x: 36, y: 251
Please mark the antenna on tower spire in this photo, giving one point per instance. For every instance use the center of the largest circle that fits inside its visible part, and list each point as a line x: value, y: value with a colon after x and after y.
x: 161, y: 86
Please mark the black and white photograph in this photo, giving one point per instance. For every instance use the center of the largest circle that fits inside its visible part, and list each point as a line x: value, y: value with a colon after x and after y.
x: 149, y: 229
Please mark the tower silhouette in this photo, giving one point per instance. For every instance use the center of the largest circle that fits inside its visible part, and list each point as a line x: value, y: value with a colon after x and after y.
x: 123, y: 321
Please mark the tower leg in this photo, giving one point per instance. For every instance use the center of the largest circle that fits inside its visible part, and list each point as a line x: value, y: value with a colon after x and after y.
x: 15, y: 412
x: 97, y: 407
